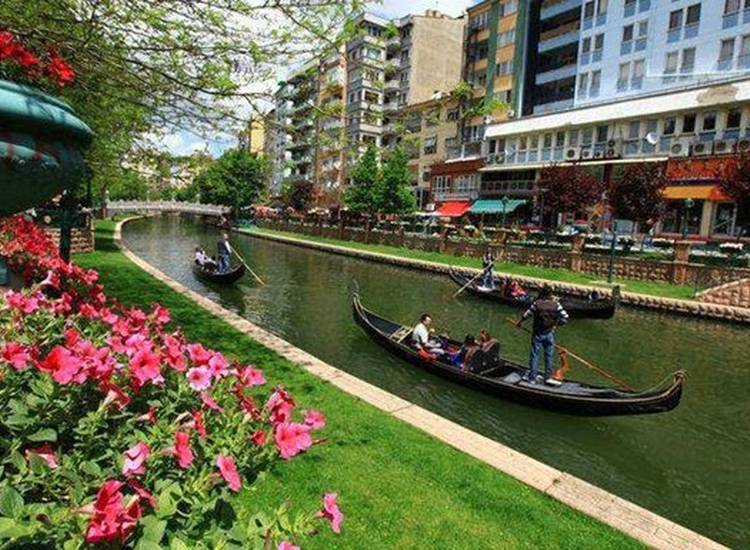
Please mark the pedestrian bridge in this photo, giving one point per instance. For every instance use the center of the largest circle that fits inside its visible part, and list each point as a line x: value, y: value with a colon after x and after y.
x: 146, y: 207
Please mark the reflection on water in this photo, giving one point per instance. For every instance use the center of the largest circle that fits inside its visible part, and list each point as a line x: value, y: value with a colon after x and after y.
x: 690, y: 465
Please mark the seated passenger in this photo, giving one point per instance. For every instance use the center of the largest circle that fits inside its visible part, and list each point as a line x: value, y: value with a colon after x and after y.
x: 421, y: 337
x: 203, y: 260
x: 460, y: 358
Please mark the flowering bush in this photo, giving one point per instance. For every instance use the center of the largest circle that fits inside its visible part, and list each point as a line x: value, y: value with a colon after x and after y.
x: 19, y: 63
x: 115, y: 429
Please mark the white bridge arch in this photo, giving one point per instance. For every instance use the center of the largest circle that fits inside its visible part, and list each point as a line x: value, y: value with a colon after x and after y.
x: 121, y: 207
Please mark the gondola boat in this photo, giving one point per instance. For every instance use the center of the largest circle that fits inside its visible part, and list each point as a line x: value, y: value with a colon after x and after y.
x: 489, y: 372
x: 577, y: 308
x: 228, y: 278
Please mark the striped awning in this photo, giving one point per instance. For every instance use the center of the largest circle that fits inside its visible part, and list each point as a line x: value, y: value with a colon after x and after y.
x: 695, y: 192
x: 496, y: 206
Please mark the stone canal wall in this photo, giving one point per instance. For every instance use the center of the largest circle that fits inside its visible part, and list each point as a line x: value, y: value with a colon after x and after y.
x: 683, y: 307
x: 82, y: 238
x: 637, y: 522
x: 573, y: 257
x: 734, y: 293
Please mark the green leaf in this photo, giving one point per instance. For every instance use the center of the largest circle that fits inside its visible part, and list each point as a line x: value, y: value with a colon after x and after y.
x: 91, y: 468
x: 144, y: 544
x: 11, y: 529
x: 18, y: 461
x: 166, y: 505
x: 37, y: 464
x: 11, y: 502
x: 153, y: 529
x: 45, y: 434
x: 177, y: 544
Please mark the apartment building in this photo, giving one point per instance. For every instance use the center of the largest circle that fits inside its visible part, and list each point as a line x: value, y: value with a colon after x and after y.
x: 651, y: 80
x: 329, y: 177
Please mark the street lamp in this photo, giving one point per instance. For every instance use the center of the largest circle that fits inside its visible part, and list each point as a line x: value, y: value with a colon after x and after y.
x: 687, y: 205
x: 505, y: 208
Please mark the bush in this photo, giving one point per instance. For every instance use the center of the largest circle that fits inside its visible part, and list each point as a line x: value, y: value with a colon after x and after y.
x: 114, y: 429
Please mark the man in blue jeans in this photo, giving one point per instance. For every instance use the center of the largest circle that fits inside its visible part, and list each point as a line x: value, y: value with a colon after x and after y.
x: 224, y: 250
x: 548, y: 314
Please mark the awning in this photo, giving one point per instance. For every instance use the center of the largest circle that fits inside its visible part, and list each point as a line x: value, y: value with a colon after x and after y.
x: 454, y: 209
x: 695, y: 192
x: 496, y: 206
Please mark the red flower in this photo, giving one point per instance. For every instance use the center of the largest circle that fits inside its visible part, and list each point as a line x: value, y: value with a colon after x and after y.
x: 228, y: 470
x: 7, y: 45
x: 62, y: 364
x: 15, y: 355
x: 199, y: 355
x: 44, y: 452
x: 149, y: 417
x: 161, y: 315
x: 287, y: 546
x: 199, y: 424
x: 115, y: 395
x: 142, y: 492
x: 173, y: 355
x: 182, y: 450
x: 250, y: 376
x: 111, y: 521
x: 280, y: 404
x: 258, y: 437
x: 292, y: 438
x: 135, y: 460
x: 315, y: 419
x: 331, y: 512
x: 144, y: 367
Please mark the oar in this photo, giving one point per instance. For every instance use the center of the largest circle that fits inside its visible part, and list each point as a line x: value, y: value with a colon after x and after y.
x: 583, y: 361
x: 240, y: 258
x: 467, y: 285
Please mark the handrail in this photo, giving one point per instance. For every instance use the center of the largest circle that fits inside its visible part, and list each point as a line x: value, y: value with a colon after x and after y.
x: 167, y: 206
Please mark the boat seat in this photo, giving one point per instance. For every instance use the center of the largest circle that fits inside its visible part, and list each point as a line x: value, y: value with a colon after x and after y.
x: 400, y: 334
x: 485, y: 358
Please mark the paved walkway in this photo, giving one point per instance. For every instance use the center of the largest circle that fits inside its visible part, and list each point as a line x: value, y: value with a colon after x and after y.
x: 619, y: 513
x: 644, y: 301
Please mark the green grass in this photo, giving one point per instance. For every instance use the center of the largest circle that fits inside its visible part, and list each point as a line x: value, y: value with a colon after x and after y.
x: 398, y: 487
x: 663, y: 290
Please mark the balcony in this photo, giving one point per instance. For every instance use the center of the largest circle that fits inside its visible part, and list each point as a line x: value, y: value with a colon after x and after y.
x: 553, y: 106
x: 442, y: 196
x: 561, y: 73
x: 570, y: 36
x: 392, y: 85
x: 556, y: 7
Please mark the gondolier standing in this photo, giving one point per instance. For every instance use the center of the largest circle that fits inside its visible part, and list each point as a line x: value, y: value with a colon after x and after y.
x: 548, y: 314
x: 488, y: 262
x: 224, y: 250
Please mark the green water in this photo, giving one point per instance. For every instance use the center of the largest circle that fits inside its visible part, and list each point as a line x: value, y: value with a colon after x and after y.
x: 690, y: 465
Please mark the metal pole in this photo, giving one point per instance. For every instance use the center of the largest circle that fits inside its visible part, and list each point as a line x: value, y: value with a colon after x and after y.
x: 612, y: 252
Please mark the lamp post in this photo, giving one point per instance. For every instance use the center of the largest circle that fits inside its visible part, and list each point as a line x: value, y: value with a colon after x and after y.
x: 687, y: 205
x: 505, y: 208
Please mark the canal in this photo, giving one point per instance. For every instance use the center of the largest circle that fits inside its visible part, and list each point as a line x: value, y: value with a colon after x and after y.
x: 690, y: 465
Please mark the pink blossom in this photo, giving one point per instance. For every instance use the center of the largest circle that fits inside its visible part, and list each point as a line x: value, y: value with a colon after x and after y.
x: 44, y: 452
x: 135, y: 460
x: 199, y: 378
x: 218, y: 365
x: 258, y: 437
x: 173, y: 355
x: 114, y: 394
x: 161, y: 315
x: 144, y: 367
x: 88, y: 311
x: 292, y: 438
x: 16, y: 355
x: 182, y: 450
x: 199, y: 424
x: 149, y: 417
x: 142, y: 492
x: 62, y: 364
x: 228, y: 470
x: 210, y: 403
x: 250, y: 376
x: 280, y: 404
x: 199, y: 355
x: 287, y: 546
x: 110, y: 520
x: 315, y: 419
x: 331, y: 512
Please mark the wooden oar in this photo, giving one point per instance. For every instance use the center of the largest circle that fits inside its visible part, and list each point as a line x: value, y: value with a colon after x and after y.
x: 467, y: 285
x: 580, y: 359
x: 240, y: 258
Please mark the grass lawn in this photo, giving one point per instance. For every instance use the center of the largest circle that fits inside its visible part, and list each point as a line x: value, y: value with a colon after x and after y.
x: 398, y: 487
x: 663, y: 290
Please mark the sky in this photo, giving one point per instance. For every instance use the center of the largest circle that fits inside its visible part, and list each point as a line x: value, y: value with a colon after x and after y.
x: 185, y: 143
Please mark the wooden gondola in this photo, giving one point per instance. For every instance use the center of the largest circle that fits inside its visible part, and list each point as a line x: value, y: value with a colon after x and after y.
x: 490, y: 373
x: 228, y: 278
x: 577, y: 308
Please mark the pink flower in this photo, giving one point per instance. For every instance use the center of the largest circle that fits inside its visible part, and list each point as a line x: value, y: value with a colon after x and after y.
x: 199, y: 424
x: 280, y: 404
x: 315, y: 419
x: 114, y: 395
x: 16, y: 355
x: 250, y: 376
x: 88, y: 311
x: 142, y: 492
x: 228, y: 470
x: 161, y: 315
x: 210, y: 403
x: 135, y: 460
x: 182, y: 450
x: 145, y: 367
x: 110, y: 520
x: 199, y: 378
x: 199, y: 355
x: 287, y: 546
x: 44, y: 452
x: 62, y: 364
x: 149, y: 417
x: 331, y: 512
x: 218, y: 365
x: 258, y: 437
x: 292, y: 438
x: 173, y: 355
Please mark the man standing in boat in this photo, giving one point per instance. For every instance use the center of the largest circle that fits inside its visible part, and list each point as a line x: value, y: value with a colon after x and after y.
x: 488, y: 262
x: 548, y: 314
x: 224, y: 250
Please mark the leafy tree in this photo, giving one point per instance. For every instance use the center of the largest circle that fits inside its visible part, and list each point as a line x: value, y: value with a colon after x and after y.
x: 568, y: 189
x: 393, y: 192
x: 361, y: 194
x: 638, y: 193
x: 735, y: 182
x: 298, y: 194
x: 237, y: 178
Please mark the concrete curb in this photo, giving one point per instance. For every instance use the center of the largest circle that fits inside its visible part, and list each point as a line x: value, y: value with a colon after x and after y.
x: 637, y: 522
x: 643, y: 301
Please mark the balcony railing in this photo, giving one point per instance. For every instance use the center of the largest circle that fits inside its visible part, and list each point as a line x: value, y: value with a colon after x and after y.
x: 556, y: 7
x: 441, y: 196
x: 567, y: 71
x: 559, y: 40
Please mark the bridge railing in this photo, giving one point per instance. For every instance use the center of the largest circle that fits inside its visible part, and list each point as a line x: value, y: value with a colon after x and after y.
x: 167, y: 206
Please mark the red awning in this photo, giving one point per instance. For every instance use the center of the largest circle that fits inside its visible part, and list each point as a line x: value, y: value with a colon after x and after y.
x: 454, y: 209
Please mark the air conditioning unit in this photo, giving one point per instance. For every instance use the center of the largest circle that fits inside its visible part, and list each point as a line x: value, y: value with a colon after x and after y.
x: 680, y: 147
x: 612, y: 143
x: 702, y: 148
x: 573, y: 153
x: 614, y: 149
x: 742, y: 146
x: 599, y: 153
x: 724, y: 146
x: 587, y: 154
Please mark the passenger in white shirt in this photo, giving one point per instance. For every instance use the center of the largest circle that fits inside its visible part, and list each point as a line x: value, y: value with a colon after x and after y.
x: 421, y: 336
x: 203, y: 260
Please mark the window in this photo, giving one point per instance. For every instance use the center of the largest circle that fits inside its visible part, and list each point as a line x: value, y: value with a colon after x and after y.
x: 688, y: 60
x: 670, y: 125
x: 693, y: 14
x: 638, y: 70
x: 560, y: 139
x: 602, y: 133
x: 430, y: 145
x: 726, y: 51
x: 479, y: 21
x: 731, y: 6
x: 745, y: 46
x: 583, y: 83
x: 634, y: 130
x: 643, y: 29
x: 507, y: 9
x: 596, y: 80
x: 505, y: 67
x: 599, y: 42
x: 709, y: 121
x: 573, y: 138
x: 627, y: 33
x: 586, y: 45
x: 602, y: 7
x: 675, y: 20
x: 624, y: 76
x: 547, y: 141
x: 587, y: 136
x: 588, y: 10
x: 734, y: 117
x: 441, y: 184
x: 670, y: 66
x: 629, y: 3
x: 688, y: 124
x: 505, y: 38
x: 452, y: 115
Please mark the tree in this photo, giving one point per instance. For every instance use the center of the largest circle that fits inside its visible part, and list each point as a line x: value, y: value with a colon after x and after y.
x: 360, y: 194
x: 393, y: 193
x: 638, y: 193
x: 735, y: 183
x: 568, y: 189
x: 298, y: 194
x: 237, y: 178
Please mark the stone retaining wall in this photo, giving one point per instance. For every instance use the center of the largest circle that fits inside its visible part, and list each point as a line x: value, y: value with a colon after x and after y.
x: 736, y: 293
x: 82, y: 239
x: 682, y: 307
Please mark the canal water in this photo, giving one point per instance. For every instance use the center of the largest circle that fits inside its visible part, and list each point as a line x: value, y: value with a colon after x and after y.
x: 691, y: 465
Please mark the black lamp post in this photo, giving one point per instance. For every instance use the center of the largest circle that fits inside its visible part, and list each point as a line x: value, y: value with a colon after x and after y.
x: 505, y: 208
x: 687, y: 205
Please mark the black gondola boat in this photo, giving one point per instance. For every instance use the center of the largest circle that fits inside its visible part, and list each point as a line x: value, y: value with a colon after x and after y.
x: 228, y: 278
x: 577, y: 308
x: 490, y: 373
